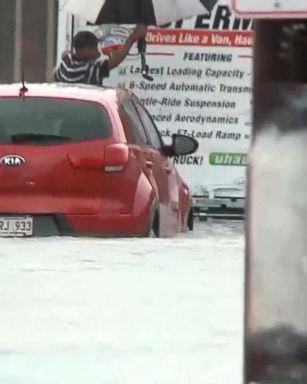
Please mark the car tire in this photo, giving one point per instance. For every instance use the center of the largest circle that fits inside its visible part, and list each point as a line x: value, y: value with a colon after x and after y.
x: 191, y: 220
x: 154, y: 223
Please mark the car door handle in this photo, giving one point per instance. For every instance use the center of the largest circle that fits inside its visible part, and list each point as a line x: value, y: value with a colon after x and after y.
x: 149, y: 164
x: 168, y: 169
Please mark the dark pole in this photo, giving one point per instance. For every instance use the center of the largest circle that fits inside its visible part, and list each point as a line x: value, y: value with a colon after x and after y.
x: 72, y: 32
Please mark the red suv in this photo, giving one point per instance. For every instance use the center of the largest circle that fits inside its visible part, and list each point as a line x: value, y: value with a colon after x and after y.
x: 82, y: 160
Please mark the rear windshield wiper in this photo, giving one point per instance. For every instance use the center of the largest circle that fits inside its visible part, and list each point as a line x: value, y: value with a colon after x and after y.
x: 37, y: 138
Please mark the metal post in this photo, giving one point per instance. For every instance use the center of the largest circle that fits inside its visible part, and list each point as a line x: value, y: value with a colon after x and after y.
x: 18, y: 41
x: 72, y: 32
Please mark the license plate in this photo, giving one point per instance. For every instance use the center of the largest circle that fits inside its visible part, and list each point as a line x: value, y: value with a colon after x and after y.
x: 16, y: 226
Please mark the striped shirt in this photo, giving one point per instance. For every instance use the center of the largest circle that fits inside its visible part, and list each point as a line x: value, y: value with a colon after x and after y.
x: 75, y: 71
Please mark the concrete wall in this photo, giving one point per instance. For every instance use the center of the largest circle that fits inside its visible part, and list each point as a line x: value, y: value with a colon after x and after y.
x: 28, y: 35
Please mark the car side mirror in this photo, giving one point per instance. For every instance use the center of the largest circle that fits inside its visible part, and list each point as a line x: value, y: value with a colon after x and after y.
x: 181, y: 146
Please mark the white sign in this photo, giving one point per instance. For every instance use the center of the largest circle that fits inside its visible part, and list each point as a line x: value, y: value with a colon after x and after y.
x: 202, y: 69
x: 81, y: 7
x: 270, y: 8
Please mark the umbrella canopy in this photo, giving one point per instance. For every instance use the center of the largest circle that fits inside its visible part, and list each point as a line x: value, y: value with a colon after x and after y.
x: 149, y: 12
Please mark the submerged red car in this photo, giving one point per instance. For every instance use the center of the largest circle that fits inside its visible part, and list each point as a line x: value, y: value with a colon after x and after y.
x: 82, y: 160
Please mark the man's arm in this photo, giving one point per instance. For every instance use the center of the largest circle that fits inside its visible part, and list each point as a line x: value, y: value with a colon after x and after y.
x: 119, y: 55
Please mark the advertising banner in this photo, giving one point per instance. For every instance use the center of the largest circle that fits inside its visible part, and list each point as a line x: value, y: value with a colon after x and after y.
x: 202, y: 87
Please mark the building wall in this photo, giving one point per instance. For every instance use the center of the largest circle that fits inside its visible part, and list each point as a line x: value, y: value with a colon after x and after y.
x: 7, y: 31
x: 28, y: 35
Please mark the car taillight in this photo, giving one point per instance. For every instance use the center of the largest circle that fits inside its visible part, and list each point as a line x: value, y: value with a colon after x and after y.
x: 116, y: 157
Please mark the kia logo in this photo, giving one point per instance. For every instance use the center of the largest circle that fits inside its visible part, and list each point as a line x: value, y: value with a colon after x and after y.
x: 12, y: 160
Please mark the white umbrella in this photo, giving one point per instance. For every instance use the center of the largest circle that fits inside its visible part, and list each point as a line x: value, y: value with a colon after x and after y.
x: 150, y: 12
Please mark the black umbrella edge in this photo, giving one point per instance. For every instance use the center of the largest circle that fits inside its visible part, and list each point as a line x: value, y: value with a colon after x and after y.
x: 127, y: 12
x: 209, y: 4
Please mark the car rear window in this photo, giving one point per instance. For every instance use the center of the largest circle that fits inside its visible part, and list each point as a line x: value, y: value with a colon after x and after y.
x: 46, y: 120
